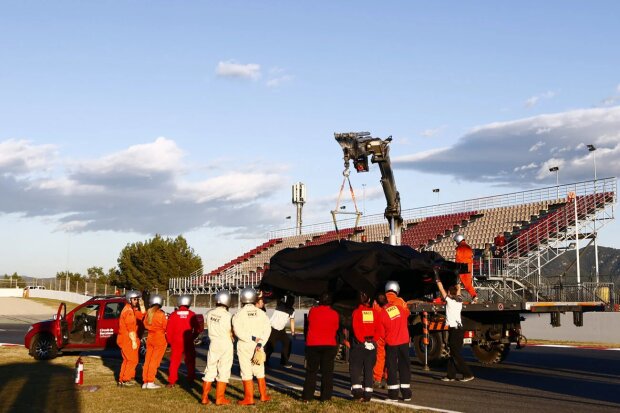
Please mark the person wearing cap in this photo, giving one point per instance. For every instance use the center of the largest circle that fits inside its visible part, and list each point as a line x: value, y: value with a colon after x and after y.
x: 183, y: 328
x: 252, y: 329
x: 220, y: 355
x: 465, y: 255
x: 396, y: 335
x: 155, y: 322
x: 283, y: 314
x: 127, y: 338
x: 366, y: 332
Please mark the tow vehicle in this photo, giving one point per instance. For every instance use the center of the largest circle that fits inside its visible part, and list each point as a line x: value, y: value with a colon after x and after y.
x: 490, y: 327
x: 91, y: 326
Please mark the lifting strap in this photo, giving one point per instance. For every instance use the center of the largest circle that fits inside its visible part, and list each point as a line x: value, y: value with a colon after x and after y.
x: 337, y: 210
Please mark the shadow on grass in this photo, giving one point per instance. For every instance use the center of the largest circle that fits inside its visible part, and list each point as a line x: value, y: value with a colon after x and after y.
x: 37, y: 387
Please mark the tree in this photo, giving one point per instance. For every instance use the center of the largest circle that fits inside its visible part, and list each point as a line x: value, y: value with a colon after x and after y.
x: 96, y: 275
x: 150, y: 264
x: 73, y: 276
x: 14, y: 276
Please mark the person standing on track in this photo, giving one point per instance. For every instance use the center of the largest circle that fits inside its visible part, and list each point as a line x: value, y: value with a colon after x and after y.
x: 321, y: 348
x: 252, y: 328
x: 379, y: 373
x: 454, y: 305
x: 155, y: 323
x: 220, y: 355
x: 396, y: 333
x: 282, y: 315
x: 366, y: 332
x: 127, y: 338
x: 465, y: 255
x: 183, y: 328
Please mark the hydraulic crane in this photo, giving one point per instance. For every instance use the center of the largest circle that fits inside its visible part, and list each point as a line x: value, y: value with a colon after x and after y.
x: 358, y: 146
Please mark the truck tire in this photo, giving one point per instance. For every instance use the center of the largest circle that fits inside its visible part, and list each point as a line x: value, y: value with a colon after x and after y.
x: 43, y: 347
x: 435, y: 347
x: 490, y: 353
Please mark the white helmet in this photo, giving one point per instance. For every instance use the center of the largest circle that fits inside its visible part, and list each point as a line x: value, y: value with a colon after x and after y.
x: 132, y: 294
x: 458, y: 238
x: 156, y: 299
x: 248, y: 296
x: 223, y: 297
x: 185, y: 300
x: 392, y: 286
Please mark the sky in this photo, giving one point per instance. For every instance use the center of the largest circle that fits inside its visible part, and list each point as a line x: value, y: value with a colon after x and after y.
x: 120, y: 120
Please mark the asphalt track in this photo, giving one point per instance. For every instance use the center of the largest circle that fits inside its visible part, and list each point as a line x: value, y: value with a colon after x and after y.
x: 537, y: 378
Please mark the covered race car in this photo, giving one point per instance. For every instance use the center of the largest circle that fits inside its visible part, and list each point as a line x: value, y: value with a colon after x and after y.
x: 346, y: 268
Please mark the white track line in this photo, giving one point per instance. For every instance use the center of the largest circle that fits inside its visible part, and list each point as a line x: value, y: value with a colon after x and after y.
x: 394, y: 403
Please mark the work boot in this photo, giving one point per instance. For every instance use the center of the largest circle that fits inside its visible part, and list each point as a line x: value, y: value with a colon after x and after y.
x: 206, y: 388
x: 248, y: 390
x: 262, y: 389
x: 220, y: 393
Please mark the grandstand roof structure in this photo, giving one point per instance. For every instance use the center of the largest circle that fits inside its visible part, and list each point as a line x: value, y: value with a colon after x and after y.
x: 538, y: 225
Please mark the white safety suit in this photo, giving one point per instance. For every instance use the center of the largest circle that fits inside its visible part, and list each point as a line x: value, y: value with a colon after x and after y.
x: 220, y: 355
x: 251, y: 326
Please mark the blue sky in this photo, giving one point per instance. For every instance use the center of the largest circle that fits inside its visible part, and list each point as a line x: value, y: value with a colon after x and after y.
x: 119, y: 120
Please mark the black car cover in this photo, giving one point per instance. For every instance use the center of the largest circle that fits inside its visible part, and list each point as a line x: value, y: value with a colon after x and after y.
x: 346, y: 268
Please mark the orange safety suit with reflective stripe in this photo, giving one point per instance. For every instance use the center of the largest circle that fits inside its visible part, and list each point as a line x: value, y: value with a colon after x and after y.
x: 465, y: 255
x: 378, y: 372
x: 128, y: 326
x: 155, y: 323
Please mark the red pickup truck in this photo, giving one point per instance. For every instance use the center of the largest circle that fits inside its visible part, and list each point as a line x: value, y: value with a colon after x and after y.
x: 92, y: 325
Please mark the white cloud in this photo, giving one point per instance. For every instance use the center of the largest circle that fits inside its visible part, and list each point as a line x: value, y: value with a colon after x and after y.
x: 232, y: 69
x: 278, y: 81
x: 21, y: 156
x: 537, y: 145
x: 144, y: 188
x: 429, y: 133
x: 533, y: 101
x: 487, y: 152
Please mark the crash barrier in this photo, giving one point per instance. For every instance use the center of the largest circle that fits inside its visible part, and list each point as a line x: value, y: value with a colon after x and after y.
x: 597, y: 328
x: 11, y: 292
x: 59, y: 295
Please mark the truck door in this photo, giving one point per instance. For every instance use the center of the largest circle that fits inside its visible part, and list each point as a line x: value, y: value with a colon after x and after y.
x: 83, y: 330
x: 108, y: 324
x: 62, y: 331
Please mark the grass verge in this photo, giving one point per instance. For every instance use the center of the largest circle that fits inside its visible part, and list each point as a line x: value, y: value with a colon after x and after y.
x: 53, y: 304
x: 35, y: 386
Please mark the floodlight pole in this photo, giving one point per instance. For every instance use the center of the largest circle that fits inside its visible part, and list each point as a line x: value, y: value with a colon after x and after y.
x: 592, y: 149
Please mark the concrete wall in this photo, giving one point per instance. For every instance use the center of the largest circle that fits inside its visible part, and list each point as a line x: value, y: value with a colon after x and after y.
x: 11, y: 292
x: 59, y: 295
x: 597, y: 328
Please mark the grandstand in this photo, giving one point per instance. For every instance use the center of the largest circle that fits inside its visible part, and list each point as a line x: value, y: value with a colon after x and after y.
x: 539, y: 225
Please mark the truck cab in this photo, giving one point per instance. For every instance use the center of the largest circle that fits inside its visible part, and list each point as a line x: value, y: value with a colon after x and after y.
x: 92, y: 325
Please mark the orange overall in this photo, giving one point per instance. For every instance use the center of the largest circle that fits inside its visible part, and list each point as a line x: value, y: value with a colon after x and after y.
x: 128, y: 323
x: 379, y: 373
x: 155, y: 323
x: 465, y: 255
x: 183, y: 327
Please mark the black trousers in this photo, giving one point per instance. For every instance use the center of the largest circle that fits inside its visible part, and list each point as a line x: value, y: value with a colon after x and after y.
x: 399, y: 370
x: 275, y: 337
x: 319, y: 358
x: 361, y: 363
x: 456, y: 361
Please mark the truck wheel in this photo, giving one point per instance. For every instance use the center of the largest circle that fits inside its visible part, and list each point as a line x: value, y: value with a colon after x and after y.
x: 435, y: 347
x: 490, y: 353
x: 43, y: 347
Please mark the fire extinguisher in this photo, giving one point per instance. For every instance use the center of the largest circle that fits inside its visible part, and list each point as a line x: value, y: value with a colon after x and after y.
x: 79, y: 372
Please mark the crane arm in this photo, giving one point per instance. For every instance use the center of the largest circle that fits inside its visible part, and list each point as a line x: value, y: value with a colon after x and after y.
x: 358, y: 146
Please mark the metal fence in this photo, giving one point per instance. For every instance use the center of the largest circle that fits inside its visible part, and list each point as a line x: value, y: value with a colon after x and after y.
x: 79, y: 287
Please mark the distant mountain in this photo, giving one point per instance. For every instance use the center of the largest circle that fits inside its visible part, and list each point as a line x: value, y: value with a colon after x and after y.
x: 608, y: 266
